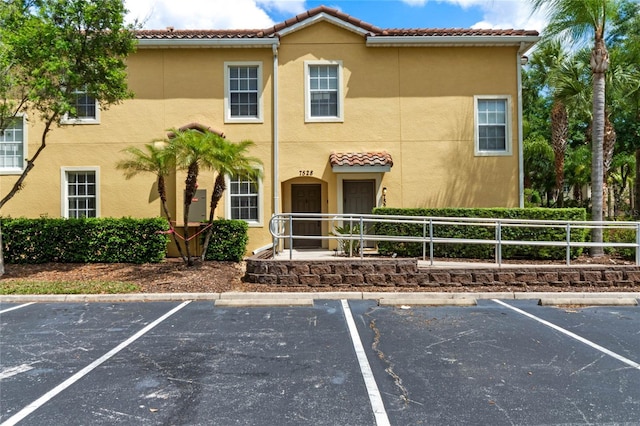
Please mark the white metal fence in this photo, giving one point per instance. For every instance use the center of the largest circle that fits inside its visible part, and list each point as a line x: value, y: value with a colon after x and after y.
x: 281, y: 226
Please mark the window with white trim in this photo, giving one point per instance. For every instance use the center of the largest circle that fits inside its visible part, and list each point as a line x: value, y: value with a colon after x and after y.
x: 85, y: 109
x: 80, y: 192
x: 13, y: 145
x: 243, y: 97
x: 493, y: 133
x: 323, y: 91
x: 244, y: 199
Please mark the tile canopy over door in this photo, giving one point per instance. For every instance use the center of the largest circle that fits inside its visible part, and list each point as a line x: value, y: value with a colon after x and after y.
x: 306, y: 198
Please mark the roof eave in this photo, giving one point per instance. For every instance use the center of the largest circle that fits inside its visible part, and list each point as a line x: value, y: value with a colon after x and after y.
x: 208, y: 43
x: 448, y: 41
x: 323, y: 17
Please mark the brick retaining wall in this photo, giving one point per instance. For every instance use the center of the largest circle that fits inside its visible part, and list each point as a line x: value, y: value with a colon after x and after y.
x: 405, y: 273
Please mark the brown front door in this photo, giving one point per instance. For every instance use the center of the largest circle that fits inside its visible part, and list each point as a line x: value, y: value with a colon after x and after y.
x: 359, y: 198
x: 306, y: 198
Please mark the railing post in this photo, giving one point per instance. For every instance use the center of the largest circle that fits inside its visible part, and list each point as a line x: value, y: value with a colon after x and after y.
x: 568, y: 244
x: 499, y: 243
x: 638, y: 243
x: 290, y: 237
x: 424, y: 240
x: 361, y: 238
x: 431, y: 240
x: 350, y: 236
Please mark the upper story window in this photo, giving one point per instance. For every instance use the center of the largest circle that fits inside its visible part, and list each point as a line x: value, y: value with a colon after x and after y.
x: 80, y: 192
x: 323, y: 91
x: 13, y: 146
x: 244, y: 200
x: 243, y: 95
x: 493, y: 133
x: 86, y: 109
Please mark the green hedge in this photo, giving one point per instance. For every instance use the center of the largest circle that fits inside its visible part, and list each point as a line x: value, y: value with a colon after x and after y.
x: 483, y: 251
x: 89, y: 240
x: 228, y: 241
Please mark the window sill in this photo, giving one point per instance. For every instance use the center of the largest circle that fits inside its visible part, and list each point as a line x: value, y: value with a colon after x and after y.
x: 79, y: 121
x: 8, y: 172
x: 229, y: 120
x: 493, y: 154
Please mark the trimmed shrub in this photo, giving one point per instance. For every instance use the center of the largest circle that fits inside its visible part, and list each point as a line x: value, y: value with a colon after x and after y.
x: 87, y: 240
x: 228, y: 240
x: 483, y: 251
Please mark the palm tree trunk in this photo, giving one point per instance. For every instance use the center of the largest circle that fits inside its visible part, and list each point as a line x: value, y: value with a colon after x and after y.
x: 559, y: 133
x: 189, y: 192
x: 599, y: 64
x: 162, y: 192
x: 218, y: 189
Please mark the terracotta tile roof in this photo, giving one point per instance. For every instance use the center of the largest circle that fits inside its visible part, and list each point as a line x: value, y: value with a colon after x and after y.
x: 272, y: 32
x: 195, y: 126
x: 381, y: 158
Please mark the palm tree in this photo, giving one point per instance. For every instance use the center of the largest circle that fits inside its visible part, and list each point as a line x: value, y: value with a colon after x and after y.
x: 193, y: 149
x: 538, y: 165
x: 578, y: 20
x: 153, y: 159
x: 228, y: 159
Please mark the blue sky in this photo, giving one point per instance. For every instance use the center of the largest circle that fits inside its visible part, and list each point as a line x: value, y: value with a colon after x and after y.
x: 227, y: 14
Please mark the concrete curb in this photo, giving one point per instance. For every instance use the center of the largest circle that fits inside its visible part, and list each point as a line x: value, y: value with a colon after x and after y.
x: 428, y: 301
x: 248, y: 303
x: 273, y: 297
x: 588, y: 301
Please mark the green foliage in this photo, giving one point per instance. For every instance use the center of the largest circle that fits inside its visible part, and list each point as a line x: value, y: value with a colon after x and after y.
x: 348, y: 246
x: 88, y: 240
x: 621, y: 235
x: 228, y: 241
x: 482, y: 251
x: 53, y: 48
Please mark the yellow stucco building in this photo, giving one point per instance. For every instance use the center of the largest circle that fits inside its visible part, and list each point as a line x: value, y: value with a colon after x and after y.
x: 345, y: 116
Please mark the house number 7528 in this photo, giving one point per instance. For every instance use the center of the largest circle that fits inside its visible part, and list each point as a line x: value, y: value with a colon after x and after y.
x: 306, y: 172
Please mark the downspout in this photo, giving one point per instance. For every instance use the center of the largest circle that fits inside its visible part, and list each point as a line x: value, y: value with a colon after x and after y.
x: 521, y: 51
x: 276, y: 149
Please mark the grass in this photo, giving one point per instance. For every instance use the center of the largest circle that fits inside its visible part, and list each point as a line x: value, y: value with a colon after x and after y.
x: 66, y: 287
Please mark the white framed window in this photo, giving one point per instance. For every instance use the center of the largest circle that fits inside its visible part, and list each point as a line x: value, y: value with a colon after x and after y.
x: 13, y: 146
x: 323, y: 91
x: 80, y: 192
x: 244, y: 200
x: 243, y: 92
x: 86, y: 110
x: 492, y: 125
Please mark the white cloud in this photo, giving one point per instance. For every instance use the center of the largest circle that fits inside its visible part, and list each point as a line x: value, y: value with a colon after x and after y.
x: 508, y: 14
x: 206, y: 14
x: 500, y: 14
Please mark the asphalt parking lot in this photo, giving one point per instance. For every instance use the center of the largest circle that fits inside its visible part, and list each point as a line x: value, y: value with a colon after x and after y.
x: 347, y: 362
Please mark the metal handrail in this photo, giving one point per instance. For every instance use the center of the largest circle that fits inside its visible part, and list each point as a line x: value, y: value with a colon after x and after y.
x: 280, y: 227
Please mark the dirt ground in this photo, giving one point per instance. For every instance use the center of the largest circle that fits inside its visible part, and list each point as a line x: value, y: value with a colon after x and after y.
x: 173, y: 275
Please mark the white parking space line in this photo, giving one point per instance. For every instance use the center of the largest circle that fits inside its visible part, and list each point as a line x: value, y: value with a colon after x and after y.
x: 572, y: 335
x: 16, y: 307
x: 375, y: 398
x: 20, y: 415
